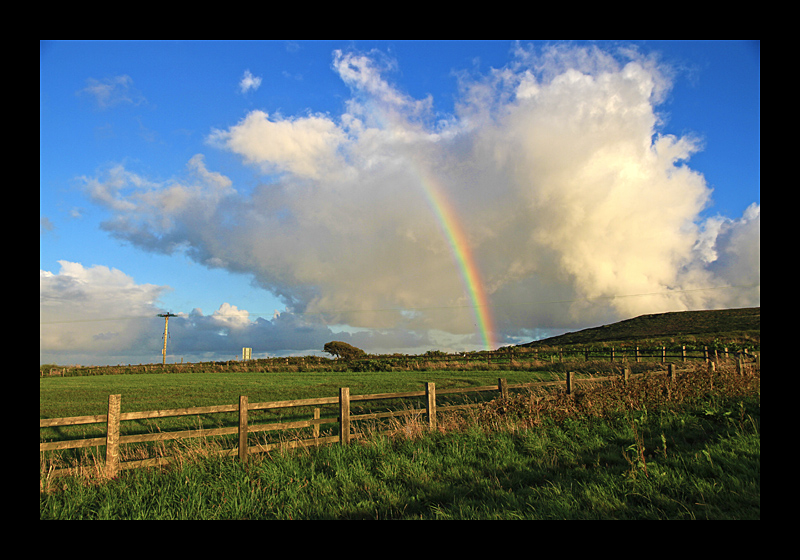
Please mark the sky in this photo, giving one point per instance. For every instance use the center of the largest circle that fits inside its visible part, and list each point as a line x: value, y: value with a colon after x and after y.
x: 401, y: 196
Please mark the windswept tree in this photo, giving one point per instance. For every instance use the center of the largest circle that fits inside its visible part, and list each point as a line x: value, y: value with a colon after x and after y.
x: 343, y: 350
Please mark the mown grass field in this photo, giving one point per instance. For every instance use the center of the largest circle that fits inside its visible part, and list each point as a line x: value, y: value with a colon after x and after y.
x: 79, y: 396
x: 611, y: 453
x: 76, y: 396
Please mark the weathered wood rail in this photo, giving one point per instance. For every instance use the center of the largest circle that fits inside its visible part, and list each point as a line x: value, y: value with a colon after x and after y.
x: 244, y: 428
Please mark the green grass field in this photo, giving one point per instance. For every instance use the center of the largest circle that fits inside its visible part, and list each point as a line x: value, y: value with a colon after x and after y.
x: 77, y: 396
x: 696, y: 463
x: 612, y: 453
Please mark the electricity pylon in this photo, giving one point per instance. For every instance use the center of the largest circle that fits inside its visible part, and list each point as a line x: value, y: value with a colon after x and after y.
x: 166, y: 326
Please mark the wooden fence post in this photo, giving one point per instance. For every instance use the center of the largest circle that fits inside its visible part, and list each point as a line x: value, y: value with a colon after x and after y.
x: 430, y: 394
x: 112, y: 435
x: 502, y: 386
x: 316, y: 426
x: 569, y: 382
x: 711, y: 371
x: 243, y: 403
x: 671, y: 381
x: 344, y: 415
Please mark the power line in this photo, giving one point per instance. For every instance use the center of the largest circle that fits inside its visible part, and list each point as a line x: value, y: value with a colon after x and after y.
x: 131, y: 318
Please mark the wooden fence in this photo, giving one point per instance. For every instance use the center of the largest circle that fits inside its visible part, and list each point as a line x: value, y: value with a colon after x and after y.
x: 114, y: 417
x: 626, y: 353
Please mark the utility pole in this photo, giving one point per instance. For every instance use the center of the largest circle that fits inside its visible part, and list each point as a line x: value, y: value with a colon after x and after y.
x: 166, y: 326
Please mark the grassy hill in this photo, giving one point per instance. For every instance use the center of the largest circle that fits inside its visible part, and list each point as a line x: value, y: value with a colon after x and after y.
x: 737, y: 325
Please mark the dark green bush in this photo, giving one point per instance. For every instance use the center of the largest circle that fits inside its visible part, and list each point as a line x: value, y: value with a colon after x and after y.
x: 369, y: 365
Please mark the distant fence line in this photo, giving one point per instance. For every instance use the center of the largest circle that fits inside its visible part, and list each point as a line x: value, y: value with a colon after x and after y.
x: 637, y: 354
x: 114, y: 417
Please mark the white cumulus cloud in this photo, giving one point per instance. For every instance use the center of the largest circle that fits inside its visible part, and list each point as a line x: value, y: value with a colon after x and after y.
x: 249, y: 82
x: 557, y: 167
x: 304, y: 147
x: 94, y: 311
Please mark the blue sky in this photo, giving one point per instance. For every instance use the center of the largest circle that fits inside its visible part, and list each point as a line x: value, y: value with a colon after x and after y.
x: 228, y: 181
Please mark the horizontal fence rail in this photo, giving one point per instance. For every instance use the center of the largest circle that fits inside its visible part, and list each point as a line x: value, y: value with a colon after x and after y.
x: 113, y: 438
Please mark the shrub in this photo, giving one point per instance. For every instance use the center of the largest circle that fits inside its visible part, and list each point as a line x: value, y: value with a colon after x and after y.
x: 343, y: 350
x: 370, y: 365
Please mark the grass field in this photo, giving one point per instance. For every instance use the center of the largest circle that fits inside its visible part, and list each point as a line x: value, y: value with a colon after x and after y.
x: 79, y: 396
x: 611, y: 453
x: 76, y: 396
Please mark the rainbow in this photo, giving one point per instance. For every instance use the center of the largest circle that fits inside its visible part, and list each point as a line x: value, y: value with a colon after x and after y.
x: 460, y: 247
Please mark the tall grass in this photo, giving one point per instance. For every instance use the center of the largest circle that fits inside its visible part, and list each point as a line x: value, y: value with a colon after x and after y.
x: 638, y: 451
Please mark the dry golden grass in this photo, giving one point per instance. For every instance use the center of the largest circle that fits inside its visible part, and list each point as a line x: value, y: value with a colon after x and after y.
x: 651, y: 390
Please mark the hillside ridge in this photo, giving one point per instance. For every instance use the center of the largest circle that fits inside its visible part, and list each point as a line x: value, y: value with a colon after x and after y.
x: 664, y: 325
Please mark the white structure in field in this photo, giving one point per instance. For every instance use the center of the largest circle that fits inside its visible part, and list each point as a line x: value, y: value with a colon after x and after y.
x: 247, y: 354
